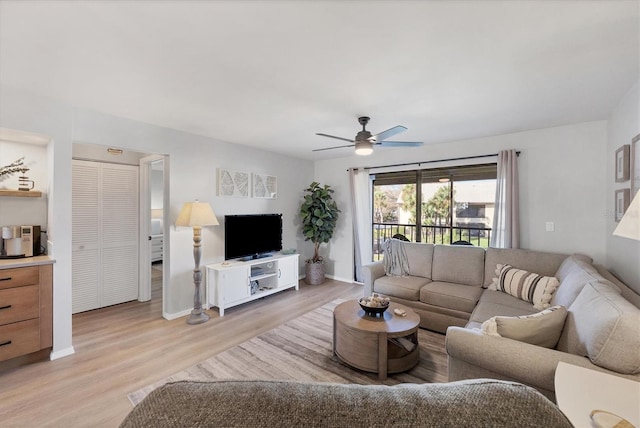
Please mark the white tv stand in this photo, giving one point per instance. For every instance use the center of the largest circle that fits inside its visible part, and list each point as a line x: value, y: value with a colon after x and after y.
x: 230, y: 283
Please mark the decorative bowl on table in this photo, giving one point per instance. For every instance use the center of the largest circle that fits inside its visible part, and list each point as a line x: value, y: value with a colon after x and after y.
x: 374, y: 305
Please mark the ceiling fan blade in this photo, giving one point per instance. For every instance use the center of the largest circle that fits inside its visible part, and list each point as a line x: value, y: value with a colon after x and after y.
x: 390, y: 132
x: 331, y: 148
x: 337, y: 138
x: 401, y: 143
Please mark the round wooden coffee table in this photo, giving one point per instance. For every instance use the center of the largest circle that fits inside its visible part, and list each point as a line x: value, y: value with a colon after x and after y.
x: 387, y: 344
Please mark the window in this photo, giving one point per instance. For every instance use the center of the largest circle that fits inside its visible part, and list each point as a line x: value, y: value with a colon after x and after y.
x: 467, y: 210
x: 441, y: 205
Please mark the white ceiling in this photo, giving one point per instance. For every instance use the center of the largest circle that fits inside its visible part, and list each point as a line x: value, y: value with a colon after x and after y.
x: 271, y: 74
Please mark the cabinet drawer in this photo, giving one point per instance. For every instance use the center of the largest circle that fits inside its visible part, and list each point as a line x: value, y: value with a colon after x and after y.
x: 19, y: 304
x: 19, y: 338
x: 19, y: 276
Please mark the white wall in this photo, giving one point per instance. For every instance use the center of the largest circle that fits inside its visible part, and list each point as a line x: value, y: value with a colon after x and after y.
x: 18, y: 210
x: 562, y: 179
x: 193, y: 163
x: 623, y: 255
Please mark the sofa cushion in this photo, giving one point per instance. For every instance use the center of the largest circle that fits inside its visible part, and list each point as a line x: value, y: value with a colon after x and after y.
x: 452, y: 296
x: 405, y: 287
x: 525, y: 285
x: 419, y: 256
x: 571, y: 262
x: 573, y: 274
x: 605, y: 327
x: 542, y: 328
x: 458, y: 264
x: 534, y: 261
x: 492, y: 303
x: 626, y: 292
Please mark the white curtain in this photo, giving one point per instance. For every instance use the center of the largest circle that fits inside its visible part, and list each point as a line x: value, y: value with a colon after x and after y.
x: 506, y: 218
x: 361, y: 219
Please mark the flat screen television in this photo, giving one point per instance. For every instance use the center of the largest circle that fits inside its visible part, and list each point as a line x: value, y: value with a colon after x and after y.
x: 251, y: 236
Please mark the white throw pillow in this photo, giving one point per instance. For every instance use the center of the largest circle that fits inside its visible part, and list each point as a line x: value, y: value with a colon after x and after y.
x: 527, y: 286
x: 542, y: 328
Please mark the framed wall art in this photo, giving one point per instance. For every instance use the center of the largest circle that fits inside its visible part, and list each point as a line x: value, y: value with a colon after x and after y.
x: 622, y: 163
x: 233, y: 183
x: 622, y: 203
x: 265, y: 186
x: 635, y: 165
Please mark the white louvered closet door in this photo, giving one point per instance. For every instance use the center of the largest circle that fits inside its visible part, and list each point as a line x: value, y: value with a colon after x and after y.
x: 105, y: 234
x: 119, y: 233
x: 85, y: 228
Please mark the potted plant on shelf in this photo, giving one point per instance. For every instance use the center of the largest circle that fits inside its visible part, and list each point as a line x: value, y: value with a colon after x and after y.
x: 319, y: 214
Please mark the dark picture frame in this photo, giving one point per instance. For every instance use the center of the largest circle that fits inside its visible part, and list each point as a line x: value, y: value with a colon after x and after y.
x: 622, y: 163
x: 621, y: 202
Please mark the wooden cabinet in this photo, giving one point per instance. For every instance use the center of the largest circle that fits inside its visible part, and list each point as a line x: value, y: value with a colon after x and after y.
x: 232, y: 283
x: 26, y: 309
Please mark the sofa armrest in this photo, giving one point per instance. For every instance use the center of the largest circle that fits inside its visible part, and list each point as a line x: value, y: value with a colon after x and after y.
x: 371, y: 272
x: 529, y: 364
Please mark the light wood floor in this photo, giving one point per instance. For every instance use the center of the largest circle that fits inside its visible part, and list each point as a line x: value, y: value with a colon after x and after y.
x: 123, y: 348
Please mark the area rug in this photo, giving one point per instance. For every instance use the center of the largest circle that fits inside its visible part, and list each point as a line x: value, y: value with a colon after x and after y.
x: 301, y: 350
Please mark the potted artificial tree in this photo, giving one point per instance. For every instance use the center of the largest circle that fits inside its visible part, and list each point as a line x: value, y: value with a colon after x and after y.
x: 319, y: 214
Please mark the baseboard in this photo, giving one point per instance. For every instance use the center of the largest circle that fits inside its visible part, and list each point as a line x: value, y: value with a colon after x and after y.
x: 62, y: 353
x: 337, y: 278
x: 177, y: 314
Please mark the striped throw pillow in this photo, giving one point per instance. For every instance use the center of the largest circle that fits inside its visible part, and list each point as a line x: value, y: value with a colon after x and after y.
x: 530, y: 287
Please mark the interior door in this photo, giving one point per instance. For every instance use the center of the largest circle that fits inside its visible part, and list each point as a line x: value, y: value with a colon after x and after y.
x: 104, y: 234
x: 119, y: 233
x: 86, y: 219
x: 152, y: 202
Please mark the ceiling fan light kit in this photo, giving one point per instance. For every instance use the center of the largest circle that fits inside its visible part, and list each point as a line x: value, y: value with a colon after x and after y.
x: 364, y: 141
x: 364, y: 148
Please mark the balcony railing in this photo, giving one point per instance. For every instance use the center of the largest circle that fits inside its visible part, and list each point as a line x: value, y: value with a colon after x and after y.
x: 478, y: 236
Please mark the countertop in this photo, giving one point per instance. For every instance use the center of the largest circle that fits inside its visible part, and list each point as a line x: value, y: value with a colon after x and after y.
x: 25, y: 262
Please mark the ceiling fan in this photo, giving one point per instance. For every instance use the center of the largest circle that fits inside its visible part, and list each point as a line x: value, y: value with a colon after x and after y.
x: 364, y: 141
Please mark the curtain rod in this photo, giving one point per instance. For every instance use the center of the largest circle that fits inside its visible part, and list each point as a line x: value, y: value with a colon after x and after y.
x: 367, y: 168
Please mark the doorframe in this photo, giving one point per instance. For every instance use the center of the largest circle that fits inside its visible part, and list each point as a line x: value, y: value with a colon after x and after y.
x: 144, y: 259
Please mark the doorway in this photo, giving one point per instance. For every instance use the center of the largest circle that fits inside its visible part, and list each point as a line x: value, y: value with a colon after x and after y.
x: 154, y: 207
x: 152, y: 168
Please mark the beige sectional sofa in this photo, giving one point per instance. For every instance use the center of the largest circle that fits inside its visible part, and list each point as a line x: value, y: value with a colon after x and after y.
x: 448, y: 287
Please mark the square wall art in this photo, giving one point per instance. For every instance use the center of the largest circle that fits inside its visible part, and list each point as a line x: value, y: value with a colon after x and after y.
x: 265, y: 186
x: 233, y: 183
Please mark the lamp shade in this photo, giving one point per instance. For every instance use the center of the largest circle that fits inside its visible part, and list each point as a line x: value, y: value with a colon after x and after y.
x: 197, y: 214
x: 629, y: 226
x: 364, y: 148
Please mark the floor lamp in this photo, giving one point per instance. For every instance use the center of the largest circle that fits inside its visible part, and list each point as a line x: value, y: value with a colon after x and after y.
x: 197, y: 214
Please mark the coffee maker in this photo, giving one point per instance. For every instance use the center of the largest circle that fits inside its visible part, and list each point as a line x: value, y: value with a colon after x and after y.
x: 20, y: 241
x: 11, y: 242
